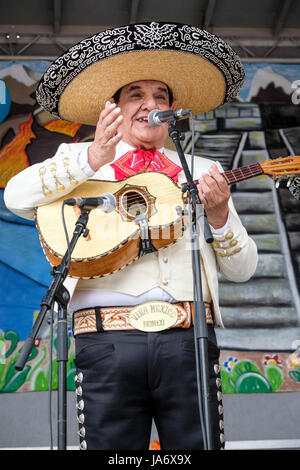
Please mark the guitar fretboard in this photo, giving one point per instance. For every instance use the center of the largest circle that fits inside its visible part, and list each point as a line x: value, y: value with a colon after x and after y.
x: 243, y: 173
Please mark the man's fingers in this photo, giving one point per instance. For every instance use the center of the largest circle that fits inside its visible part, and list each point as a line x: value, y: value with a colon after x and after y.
x: 116, y: 138
x: 107, y: 115
x: 203, y: 191
x: 111, y: 130
x: 207, y: 184
x: 107, y: 109
x: 110, y: 117
x: 218, y: 177
x: 215, y: 182
x: 212, y: 188
x: 108, y: 123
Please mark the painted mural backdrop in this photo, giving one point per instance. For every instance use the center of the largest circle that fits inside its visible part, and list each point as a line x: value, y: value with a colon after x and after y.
x: 29, y: 135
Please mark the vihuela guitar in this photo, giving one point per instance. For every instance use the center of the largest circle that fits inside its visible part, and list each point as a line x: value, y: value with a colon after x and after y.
x: 114, y: 239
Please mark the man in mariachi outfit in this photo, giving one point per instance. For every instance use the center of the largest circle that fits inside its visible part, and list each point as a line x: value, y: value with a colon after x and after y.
x: 126, y: 376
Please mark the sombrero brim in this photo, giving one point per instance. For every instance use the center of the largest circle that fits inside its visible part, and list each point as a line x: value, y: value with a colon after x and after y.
x: 202, y: 71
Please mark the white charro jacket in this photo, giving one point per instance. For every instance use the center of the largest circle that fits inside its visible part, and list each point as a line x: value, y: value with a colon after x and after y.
x: 233, y: 254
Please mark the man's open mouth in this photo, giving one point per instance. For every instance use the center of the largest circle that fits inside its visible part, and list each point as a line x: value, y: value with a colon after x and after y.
x: 142, y: 119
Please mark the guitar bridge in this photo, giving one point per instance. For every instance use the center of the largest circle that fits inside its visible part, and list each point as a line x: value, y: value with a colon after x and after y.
x: 145, y: 242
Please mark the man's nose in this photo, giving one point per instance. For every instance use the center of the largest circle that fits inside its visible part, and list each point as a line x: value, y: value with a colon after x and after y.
x: 149, y: 103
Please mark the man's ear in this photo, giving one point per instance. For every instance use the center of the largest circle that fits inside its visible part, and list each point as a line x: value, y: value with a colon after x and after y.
x: 173, y: 105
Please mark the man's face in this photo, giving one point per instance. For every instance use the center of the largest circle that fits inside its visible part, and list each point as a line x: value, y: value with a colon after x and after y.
x: 136, y: 101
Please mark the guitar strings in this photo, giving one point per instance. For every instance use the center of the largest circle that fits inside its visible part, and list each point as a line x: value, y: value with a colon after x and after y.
x: 246, y: 173
x: 231, y: 177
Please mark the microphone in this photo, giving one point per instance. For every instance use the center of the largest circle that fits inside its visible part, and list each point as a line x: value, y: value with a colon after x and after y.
x: 156, y: 118
x: 107, y: 202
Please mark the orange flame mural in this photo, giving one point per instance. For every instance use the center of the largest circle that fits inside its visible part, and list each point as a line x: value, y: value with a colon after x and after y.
x: 13, y: 157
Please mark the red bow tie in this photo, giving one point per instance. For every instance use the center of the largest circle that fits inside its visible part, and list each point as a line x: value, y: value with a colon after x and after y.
x: 139, y: 160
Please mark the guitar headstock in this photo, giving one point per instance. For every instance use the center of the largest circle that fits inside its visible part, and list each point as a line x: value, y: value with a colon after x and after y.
x: 287, y: 168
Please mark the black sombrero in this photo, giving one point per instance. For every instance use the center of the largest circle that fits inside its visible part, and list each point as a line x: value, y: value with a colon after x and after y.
x: 202, y: 71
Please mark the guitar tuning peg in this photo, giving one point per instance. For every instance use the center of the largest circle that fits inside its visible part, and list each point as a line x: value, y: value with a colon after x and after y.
x: 277, y: 182
x: 295, y: 188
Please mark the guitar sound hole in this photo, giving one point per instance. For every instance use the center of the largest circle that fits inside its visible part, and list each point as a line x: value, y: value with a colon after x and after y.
x: 134, y: 204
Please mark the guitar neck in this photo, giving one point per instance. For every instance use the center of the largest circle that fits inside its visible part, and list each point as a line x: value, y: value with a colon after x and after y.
x: 243, y: 173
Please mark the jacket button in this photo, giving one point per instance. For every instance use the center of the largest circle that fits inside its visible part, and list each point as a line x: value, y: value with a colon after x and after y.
x: 229, y: 235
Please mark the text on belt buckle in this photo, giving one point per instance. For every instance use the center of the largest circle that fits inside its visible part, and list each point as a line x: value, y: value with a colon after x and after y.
x: 153, y: 316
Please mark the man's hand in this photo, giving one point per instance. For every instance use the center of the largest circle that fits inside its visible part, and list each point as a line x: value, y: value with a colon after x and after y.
x: 214, y: 194
x: 103, y: 149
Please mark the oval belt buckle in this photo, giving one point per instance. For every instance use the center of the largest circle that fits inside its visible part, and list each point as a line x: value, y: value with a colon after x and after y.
x: 153, y: 316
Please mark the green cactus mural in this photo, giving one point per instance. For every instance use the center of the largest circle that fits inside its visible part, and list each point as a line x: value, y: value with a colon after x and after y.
x: 267, y: 374
x: 36, y: 374
x: 294, y: 364
x: 244, y: 376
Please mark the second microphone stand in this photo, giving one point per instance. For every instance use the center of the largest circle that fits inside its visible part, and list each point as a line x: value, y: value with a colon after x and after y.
x: 59, y: 294
x: 198, y: 216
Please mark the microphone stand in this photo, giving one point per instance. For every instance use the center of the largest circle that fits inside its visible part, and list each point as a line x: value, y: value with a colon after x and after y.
x: 59, y: 294
x: 200, y: 325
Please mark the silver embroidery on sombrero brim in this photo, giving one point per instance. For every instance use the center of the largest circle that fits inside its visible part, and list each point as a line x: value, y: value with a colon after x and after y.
x: 139, y: 37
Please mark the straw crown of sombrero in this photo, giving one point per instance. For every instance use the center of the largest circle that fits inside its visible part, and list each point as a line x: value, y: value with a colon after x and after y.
x: 202, y: 71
